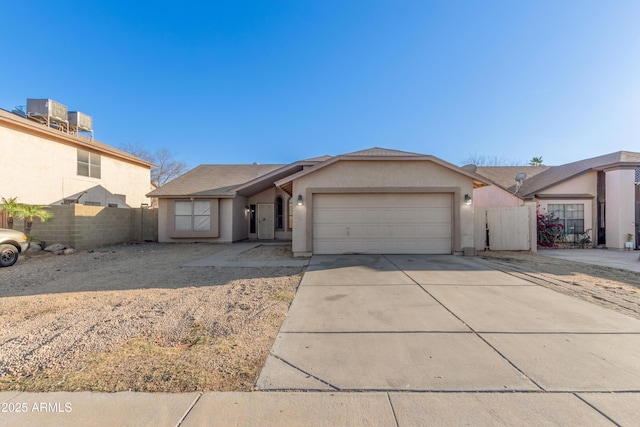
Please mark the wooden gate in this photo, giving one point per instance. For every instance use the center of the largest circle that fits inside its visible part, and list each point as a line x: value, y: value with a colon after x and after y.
x: 505, y: 229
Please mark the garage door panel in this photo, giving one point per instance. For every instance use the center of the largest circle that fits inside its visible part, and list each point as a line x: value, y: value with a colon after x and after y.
x: 382, y: 223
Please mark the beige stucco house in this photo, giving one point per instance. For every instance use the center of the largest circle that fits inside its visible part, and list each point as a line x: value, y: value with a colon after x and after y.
x: 370, y: 201
x: 601, y: 194
x: 46, y: 166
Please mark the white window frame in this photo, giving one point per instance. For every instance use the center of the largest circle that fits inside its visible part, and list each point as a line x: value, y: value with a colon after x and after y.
x: 89, y: 164
x: 567, y: 213
x: 192, y: 215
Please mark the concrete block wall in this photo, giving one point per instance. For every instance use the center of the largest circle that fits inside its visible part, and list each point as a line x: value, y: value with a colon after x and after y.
x: 86, y: 227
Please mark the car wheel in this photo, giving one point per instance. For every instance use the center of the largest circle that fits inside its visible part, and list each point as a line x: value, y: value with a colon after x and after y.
x: 8, y: 255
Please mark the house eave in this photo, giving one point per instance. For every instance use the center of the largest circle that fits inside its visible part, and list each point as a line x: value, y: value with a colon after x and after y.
x: 286, y: 184
x: 543, y: 196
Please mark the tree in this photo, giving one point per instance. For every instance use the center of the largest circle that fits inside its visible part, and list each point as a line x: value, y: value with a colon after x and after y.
x: 482, y: 160
x: 167, y: 168
x: 11, y: 207
x: 536, y: 161
x: 28, y: 213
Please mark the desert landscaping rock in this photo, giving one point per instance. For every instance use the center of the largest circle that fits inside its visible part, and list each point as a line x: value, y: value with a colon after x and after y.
x: 55, y: 247
x: 131, y: 313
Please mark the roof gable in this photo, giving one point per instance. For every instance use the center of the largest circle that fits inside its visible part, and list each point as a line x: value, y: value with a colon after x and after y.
x: 381, y: 154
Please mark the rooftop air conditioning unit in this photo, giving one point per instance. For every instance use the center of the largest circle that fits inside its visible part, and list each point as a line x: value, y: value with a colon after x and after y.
x: 46, y: 109
x: 80, y: 122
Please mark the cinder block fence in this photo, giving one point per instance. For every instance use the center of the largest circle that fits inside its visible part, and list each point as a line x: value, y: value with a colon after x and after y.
x: 86, y: 227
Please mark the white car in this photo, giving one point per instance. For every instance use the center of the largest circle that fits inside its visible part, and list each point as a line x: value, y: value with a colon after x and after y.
x: 12, y: 243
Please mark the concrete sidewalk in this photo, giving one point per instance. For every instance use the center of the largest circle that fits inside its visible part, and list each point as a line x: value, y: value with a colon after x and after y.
x: 626, y: 260
x: 317, y: 409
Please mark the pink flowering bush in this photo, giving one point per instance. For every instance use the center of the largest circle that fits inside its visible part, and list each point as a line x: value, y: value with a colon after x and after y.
x: 550, y: 230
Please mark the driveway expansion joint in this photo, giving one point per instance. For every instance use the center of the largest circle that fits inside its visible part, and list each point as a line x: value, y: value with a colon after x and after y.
x: 304, y: 372
x: 467, y: 325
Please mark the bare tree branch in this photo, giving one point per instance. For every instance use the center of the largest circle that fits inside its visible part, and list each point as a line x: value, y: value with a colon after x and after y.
x: 167, y: 168
x: 485, y: 160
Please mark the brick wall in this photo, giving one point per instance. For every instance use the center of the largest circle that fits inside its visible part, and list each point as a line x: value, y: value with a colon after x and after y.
x: 86, y: 227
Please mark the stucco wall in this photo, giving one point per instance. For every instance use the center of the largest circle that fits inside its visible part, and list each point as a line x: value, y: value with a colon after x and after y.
x: 240, y: 219
x: 383, y: 176
x: 582, y: 184
x: 492, y: 196
x: 620, y: 207
x: 46, y: 171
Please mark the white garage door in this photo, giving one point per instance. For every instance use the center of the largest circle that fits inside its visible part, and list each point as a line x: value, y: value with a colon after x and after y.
x: 382, y: 223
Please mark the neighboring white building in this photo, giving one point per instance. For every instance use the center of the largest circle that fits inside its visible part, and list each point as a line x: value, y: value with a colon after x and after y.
x: 46, y: 166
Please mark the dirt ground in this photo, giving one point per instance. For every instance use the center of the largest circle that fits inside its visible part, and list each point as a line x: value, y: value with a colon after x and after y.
x: 609, y: 287
x: 131, y: 317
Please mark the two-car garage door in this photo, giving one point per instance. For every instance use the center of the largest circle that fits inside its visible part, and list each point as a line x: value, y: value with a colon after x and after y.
x: 380, y: 223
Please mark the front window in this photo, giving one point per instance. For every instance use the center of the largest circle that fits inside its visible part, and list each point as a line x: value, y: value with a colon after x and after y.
x: 88, y: 164
x: 290, y: 225
x: 193, y: 215
x: 571, y: 216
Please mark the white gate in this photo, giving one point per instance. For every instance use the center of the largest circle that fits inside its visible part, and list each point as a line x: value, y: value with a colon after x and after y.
x: 505, y: 229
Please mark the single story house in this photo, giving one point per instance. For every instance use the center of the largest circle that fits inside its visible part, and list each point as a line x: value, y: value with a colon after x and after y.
x: 600, y: 195
x: 371, y: 201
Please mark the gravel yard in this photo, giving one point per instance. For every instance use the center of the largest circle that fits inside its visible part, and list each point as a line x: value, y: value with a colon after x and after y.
x: 133, y: 317
x: 130, y: 317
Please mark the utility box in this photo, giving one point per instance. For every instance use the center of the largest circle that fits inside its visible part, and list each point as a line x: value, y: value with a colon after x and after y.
x: 80, y: 121
x: 47, y: 109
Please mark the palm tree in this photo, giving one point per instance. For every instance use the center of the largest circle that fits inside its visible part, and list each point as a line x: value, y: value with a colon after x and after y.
x: 11, y: 207
x: 536, y: 161
x: 28, y: 212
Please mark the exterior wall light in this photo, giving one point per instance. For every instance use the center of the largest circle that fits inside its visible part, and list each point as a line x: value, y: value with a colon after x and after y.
x: 300, y: 201
x: 467, y: 200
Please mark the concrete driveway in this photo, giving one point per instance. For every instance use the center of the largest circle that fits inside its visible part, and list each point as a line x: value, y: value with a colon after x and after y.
x: 469, y: 342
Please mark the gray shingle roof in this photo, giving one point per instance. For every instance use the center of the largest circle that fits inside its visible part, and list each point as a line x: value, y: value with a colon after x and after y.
x: 558, y: 174
x: 213, y: 180
x: 381, y: 152
x: 505, y: 176
x: 540, y: 178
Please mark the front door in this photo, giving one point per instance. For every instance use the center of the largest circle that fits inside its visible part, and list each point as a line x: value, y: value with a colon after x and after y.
x: 266, y: 230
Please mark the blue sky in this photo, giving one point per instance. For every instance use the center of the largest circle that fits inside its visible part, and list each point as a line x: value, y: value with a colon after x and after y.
x: 278, y: 81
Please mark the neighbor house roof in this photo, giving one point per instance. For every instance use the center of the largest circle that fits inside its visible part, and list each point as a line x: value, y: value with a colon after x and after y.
x: 377, y: 153
x: 557, y: 174
x: 505, y: 176
x: 26, y: 125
